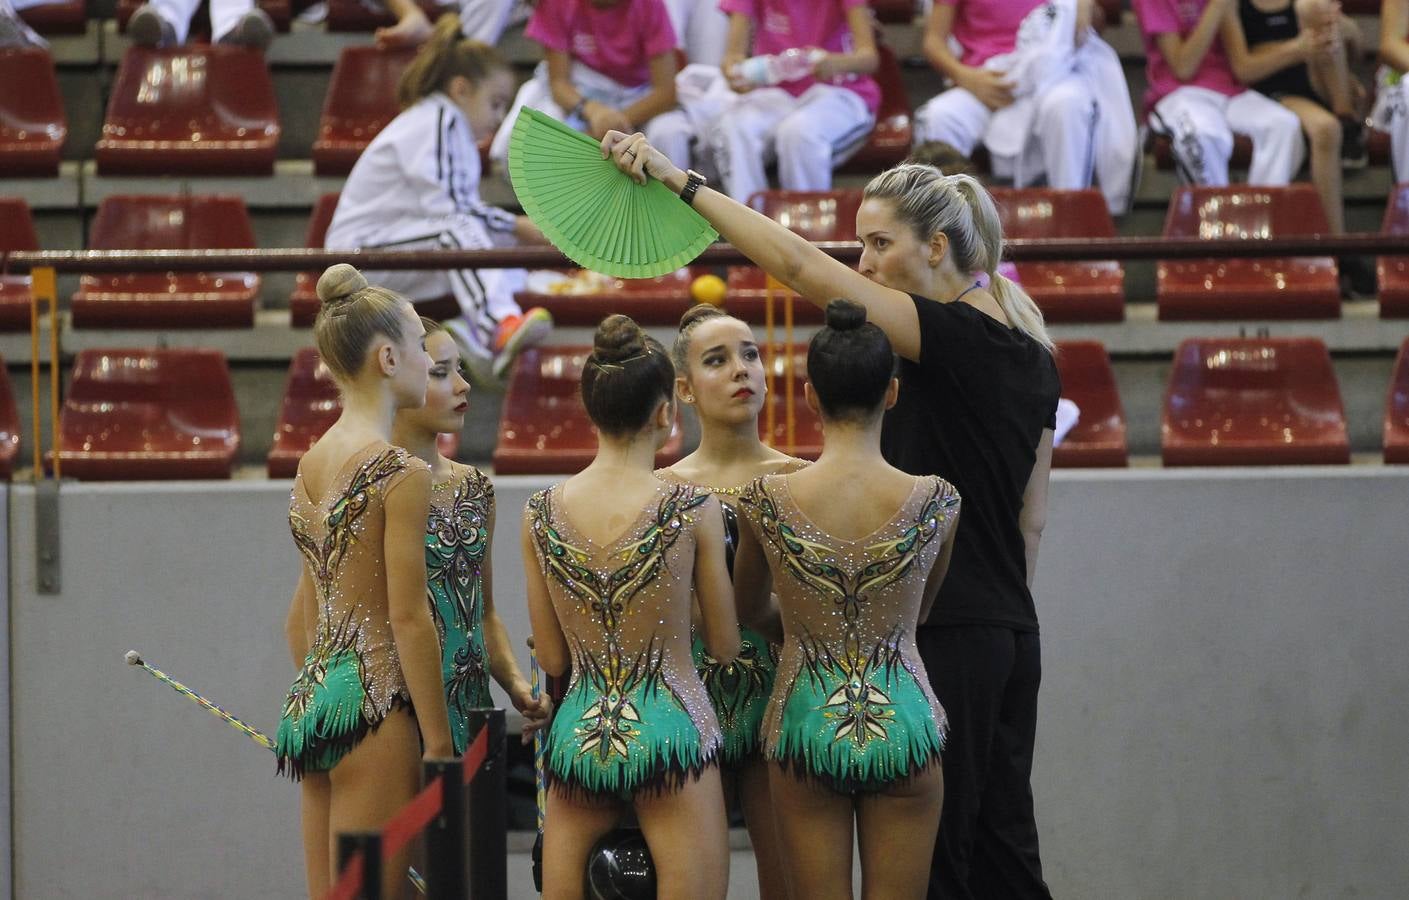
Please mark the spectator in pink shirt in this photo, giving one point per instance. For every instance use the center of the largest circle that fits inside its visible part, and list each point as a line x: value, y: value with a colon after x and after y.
x: 811, y: 124
x: 609, y: 64
x: 1196, y: 100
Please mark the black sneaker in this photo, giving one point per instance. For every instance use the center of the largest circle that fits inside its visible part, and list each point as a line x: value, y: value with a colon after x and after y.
x: 1357, y: 277
x: 1353, y: 152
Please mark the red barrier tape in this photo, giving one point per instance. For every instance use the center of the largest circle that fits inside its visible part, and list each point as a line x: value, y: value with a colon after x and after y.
x: 350, y: 882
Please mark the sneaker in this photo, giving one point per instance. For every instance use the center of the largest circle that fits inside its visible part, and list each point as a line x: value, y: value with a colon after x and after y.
x: 147, y: 28
x: 1354, y: 154
x: 15, y: 33
x: 1357, y: 277
x: 516, y: 334
x: 479, y: 362
x: 254, y: 30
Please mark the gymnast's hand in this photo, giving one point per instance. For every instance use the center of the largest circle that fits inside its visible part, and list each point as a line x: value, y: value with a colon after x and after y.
x: 537, y: 711
x: 637, y: 158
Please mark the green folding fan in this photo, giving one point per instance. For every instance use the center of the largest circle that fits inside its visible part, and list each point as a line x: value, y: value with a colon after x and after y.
x: 594, y: 212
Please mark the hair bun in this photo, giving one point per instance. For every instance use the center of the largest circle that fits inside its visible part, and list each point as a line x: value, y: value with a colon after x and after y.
x: 618, y: 338
x: 339, y: 282
x: 845, y: 315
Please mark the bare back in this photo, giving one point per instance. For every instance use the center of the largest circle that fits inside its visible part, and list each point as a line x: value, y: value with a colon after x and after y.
x: 850, y: 502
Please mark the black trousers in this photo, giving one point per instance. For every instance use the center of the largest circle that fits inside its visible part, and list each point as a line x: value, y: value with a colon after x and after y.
x: 986, y: 677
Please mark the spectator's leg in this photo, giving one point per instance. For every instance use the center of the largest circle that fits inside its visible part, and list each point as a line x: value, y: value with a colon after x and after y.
x: 671, y: 133
x: 1065, y: 128
x: 1323, y: 133
x: 955, y: 117
x: 1278, y: 149
x: 828, y: 125
x: 1197, y: 124
x: 485, y: 20
x: 743, y: 141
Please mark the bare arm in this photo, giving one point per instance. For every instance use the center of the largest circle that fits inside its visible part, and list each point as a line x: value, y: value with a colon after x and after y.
x: 662, y: 96
x: 863, y: 58
x: 1253, y: 65
x: 736, y: 48
x: 417, y: 643
x: 1033, y: 517
x: 941, y: 568
x: 787, y: 257
x: 753, y: 584
x: 1185, y: 55
x: 296, y: 625
x: 560, y: 85
x: 1394, y: 34
x: 991, y: 88
x: 502, y: 663
x: 549, y: 642
x: 712, y: 588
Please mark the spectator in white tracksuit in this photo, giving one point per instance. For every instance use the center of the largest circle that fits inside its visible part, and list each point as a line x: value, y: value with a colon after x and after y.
x: 162, y: 23
x: 416, y: 186
x: 1392, y: 101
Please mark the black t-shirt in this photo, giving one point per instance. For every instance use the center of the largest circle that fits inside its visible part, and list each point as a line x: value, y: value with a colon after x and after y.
x: 972, y: 410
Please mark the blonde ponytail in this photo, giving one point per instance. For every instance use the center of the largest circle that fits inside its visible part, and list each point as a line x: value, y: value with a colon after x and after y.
x: 443, y: 57
x: 958, y: 206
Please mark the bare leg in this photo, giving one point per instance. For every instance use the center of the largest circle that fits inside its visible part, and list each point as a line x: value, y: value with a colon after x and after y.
x: 815, y: 825
x: 317, y: 864
x: 688, y: 834
x: 571, y: 827
x: 371, y: 783
x: 1323, y: 136
x: 904, y: 816
x: 751, y: 778
x: 1330, y: 71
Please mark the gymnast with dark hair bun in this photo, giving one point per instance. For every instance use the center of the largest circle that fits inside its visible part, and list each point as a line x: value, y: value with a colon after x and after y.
x: 854, y: 550
x: 610, y: 558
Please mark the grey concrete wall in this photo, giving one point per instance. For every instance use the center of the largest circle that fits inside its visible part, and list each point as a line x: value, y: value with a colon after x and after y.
x: 1222, y: 713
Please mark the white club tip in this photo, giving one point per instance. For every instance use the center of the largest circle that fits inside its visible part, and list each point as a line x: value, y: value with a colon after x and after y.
x: 133, y: 658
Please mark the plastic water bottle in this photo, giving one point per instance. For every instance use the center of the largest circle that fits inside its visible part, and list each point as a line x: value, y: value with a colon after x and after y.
x: 790, y: 65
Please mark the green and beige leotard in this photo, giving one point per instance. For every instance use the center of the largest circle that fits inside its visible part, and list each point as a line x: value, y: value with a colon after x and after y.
x: 351, y: 678
x: 635, y: 716
x: 457, y: 535
x: 851, y: 706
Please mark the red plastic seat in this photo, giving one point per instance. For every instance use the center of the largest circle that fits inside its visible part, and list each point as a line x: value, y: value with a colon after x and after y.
x: 1162, y: 147
x: 304, y: 302
x: 890, y: 140
x: 650, y: 301
x: 1088, y: 291
x: 1251, y: 402
x: 16, y: 233
x: 149, y: 414
x: 310, y: 407
x: 361, y: 100
x: 1098, y: 438
x: 543, y: 428
x: 280, y: 13
x: 9, y: 424
x: 1394, y: 270
x: 360, y: 15
x: 806, y: 442
x: 169, y: 299
x: 1230, y: 288
x: 192, y: 110
x: 64, y: 17
x: 1397, y: 410
x: 33, y: 125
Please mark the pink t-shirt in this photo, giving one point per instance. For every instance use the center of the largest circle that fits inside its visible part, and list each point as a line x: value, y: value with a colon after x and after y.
x: 1179, y: 17
x: 783, y: 24
x: 617, y: 41
x: 986, y: 28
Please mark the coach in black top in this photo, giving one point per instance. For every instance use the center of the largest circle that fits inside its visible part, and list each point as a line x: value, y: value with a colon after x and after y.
x: 977, y: 406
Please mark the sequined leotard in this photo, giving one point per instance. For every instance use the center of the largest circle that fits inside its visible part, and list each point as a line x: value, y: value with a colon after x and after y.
x: 457, y: 535
x: 635, y: 715
x: 852, y: 705
x: 739, y: 691
x: 351, y: 678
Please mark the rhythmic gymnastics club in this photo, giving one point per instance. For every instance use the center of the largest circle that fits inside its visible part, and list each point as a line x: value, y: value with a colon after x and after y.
x: 135, y: 659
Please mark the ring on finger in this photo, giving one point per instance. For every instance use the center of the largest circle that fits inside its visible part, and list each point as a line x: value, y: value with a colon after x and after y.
x: 632, y: 152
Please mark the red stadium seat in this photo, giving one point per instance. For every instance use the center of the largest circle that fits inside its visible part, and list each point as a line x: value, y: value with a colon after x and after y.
x: 361, y: 100
x: 890, y: 140
x: 304, y: 303
x: 1098, y: 438
x: 64, y: 17
x: 368, y: 15
x: 806, y: 441
x: 33, y: 125
x: 280, y: 12
x: 1394, y: 270
x: 9, y: 425
x: 149, y: 414
x: 16, y: 233
x: 1376, y: 143
x: 1397, y: 410
x: 192, y: 110
x: 543, y: 429
x: 1253, y: 402
x: 650, y: 301
x: 310, y: 407
x: 1092, y: 291
x: 1223, y: 288
x: 169, y: 299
